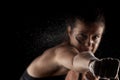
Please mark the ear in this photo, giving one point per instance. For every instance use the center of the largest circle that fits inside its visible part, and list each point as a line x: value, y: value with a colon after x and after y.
x: 69, y: 30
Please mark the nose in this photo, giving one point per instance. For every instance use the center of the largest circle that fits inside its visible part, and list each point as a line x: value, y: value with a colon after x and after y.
x: 89, y: 42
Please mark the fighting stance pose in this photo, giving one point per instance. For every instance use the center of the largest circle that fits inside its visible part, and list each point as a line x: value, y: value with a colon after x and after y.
x: 75, y: 55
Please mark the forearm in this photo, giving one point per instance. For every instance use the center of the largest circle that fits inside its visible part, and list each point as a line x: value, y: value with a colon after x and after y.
x: 82, y: 60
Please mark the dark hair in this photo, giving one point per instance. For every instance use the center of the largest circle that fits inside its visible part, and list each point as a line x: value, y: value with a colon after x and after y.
x: 87, y: 16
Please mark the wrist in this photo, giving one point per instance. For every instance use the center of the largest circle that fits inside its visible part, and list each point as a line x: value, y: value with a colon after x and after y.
x: 91, y: 66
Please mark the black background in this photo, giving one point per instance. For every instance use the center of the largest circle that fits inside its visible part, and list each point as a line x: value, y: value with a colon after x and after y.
x: 30, y: 38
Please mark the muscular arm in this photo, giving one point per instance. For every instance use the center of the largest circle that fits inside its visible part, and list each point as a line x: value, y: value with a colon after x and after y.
x: 81, y: 61
x: 71, y: 59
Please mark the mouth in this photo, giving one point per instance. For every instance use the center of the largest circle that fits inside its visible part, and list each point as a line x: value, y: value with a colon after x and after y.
x: 87, y: 49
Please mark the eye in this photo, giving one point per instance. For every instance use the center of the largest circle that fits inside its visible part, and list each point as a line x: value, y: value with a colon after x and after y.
x: 96, y: 37
x: 82, y: 35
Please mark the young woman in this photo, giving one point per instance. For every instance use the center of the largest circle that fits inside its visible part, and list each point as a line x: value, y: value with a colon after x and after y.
x: 72, y: 56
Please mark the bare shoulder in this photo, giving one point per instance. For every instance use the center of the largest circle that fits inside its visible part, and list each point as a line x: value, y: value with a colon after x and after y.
x: 43, y: 64
x: 65, y: 50
x: 59, y: 50
x: 47, y: 55
x: 65, y: 55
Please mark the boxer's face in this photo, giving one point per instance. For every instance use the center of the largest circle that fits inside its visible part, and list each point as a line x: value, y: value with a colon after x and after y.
x: 86, y: 37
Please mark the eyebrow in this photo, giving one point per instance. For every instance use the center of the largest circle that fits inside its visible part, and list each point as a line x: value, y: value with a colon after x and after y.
x: 82, y: 31
x: 96, y: 33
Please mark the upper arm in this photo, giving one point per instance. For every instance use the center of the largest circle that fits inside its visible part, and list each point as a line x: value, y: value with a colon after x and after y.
x: 64, y: 57
x: 70, y: 59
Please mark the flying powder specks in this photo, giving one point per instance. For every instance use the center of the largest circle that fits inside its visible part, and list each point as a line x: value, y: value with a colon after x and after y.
x: 51, y: 35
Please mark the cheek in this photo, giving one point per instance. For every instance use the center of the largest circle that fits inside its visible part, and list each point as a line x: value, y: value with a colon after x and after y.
x: 74, y: 37
x: 95, y: 46
x: 97, y: 42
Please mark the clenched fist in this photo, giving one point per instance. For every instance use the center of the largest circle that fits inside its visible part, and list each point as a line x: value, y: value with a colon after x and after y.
x: 106, y: 68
